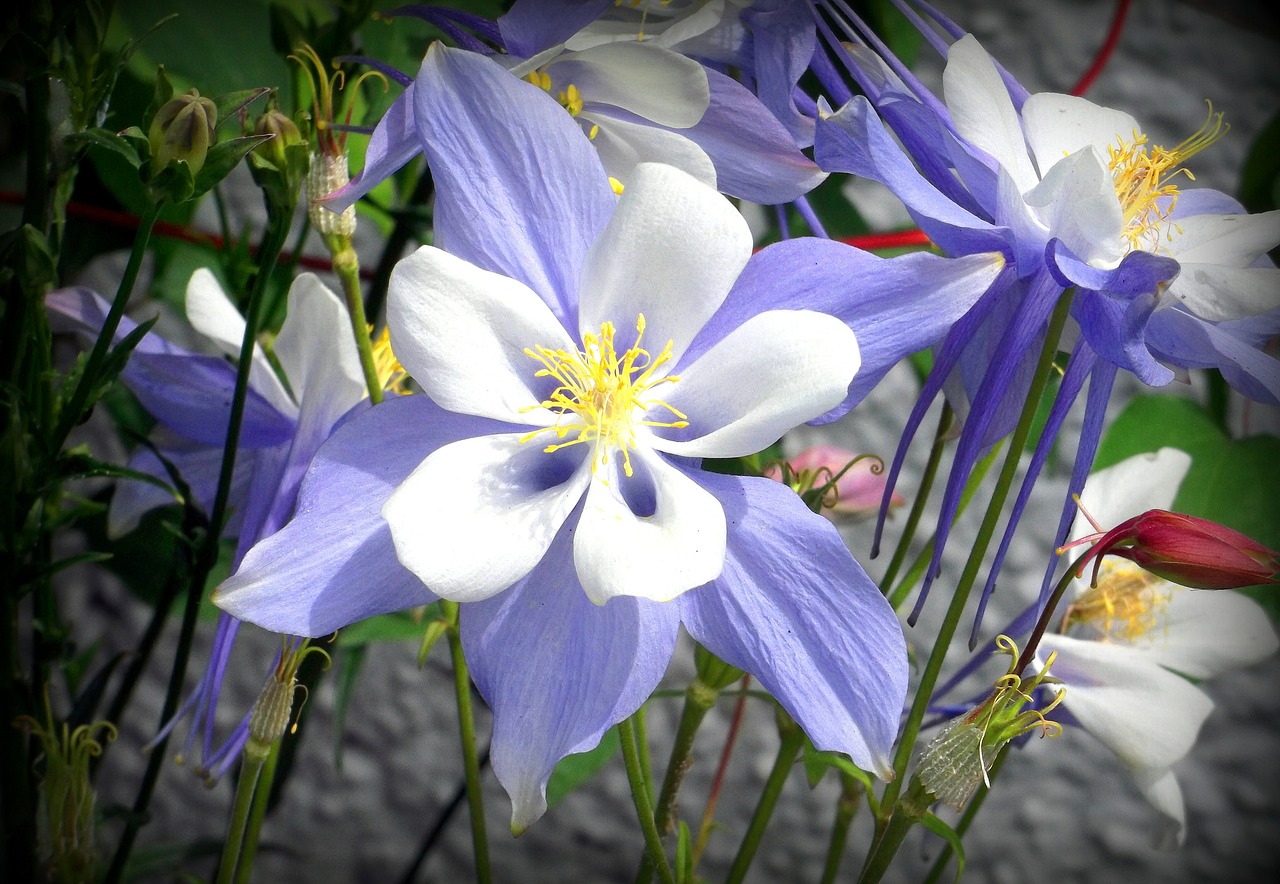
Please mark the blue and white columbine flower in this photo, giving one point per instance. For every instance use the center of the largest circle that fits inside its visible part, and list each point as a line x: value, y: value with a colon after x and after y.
x: 580, y: 353
x: 189, y: 394
x: 1073, y: 196
x: 635, y: 101
x: 1129, y: 644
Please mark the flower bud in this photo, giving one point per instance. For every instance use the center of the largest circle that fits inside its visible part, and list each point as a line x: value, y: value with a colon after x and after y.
x: 858, y: 486
x: 183, y: 130
x: 1188, y: 551
x: 286, y: 132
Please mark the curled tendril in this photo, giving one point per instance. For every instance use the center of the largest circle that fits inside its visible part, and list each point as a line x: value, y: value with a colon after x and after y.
x: 324, y: 87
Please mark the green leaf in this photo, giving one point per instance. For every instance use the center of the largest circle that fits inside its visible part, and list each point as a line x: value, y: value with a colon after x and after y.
x: 230, y: 104
x: 575, y: 770
x: 108, y: 140
x: 816, y: 764
x: 401, y: 626
x: 684, y: 855
x: 221, y: 159
x: 935, y: 825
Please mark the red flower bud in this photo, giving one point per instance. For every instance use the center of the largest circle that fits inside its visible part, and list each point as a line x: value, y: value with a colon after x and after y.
x: 1188, y: 551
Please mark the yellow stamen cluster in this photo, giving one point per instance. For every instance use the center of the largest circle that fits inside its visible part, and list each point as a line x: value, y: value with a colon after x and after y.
x: 1125, y: 605
x: 600, y: 395
x: 1144, y: 179
x: 570, y: 98
x: 391, y: 374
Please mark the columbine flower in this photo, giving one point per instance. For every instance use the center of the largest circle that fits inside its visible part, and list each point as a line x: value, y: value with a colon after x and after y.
x: 1127, y: 645
x: 578, y: 353
x: 190, y: 395
x: 1074, y: 196
x: 634, y: 101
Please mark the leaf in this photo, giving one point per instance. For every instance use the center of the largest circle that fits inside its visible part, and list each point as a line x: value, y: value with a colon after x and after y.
x: 575, y: 770
x: 111, y: 141
x: 221, y: 159
x: 936, y: 825
x: 350, y: 662
x: 684, y: 855
x: 232, y: 103
x: 399, y: 627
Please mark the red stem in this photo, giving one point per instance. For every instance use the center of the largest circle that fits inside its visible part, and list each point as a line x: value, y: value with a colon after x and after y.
x: 1104, y: 54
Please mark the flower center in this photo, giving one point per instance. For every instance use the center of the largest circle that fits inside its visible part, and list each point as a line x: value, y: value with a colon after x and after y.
x: 570, y: 98
x: 1125, y: 605
x: 601, y: 397
x: 1144, y: 179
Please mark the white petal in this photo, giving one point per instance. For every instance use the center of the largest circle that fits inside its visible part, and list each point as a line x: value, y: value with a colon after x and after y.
x: 1209, y: 632
x: 1161, y: 789
x: 776, y: 370
x: 478, y: 514
x: 317, y: 351
x: 1230, y: 240
x: 1218, y: 293
x: 1144, y: 713
x: 678, y: 544
x: 461, y: 332
x: 211, y: 313
x: 1077, y: 200
x: 623, y: 145
x: 672, y: 250
x: 982, y: 110
x: 1058, y: 125
x: 660, y: 85
x: 1130, y: 488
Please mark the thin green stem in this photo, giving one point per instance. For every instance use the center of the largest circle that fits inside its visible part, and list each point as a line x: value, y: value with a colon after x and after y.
x: 929, y: 678
x: 910, y: 810
x: 792, y: 742
x: 467, y: 732
x: 698, y: 700
x: 851, y: 792
x: 945, y: 420
x: 346, y: 263
x: 642, y: 746
x: 73, y: 411
x: 967, y: 818
x: 257, y: 813
x: 913, y: 576
x: 207, y: 555
x: 250, y: 769
x: 644, y: 806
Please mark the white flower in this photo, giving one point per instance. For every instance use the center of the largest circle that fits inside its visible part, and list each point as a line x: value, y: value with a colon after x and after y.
x: 1135, y: 639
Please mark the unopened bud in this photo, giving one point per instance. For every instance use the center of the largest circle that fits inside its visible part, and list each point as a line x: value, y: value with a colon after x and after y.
x: 1186, y: 550
x: 270, y: 714
x: 183, y: 130
x: 286, y: 132
x: 843, y: 483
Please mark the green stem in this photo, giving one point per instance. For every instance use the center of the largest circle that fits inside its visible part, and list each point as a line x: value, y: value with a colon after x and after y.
x: 912, y: 578
x: 851, y: 792
x: 945, y: 420
x: 73, y: 411
x: 467, y: 730
x: 257, y: 813
x: 967, y: 818
x: 644, y: 806
x: 792, y: 742
x: 910, y: 810
x: 250, y: 769
x: 346, y: 263
x: 207, y: 555
x: 929, y: 678
x: 698, y: 700
x: 642, y: 746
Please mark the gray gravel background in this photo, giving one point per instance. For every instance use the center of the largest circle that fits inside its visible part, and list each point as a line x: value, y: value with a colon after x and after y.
x: 1063, y: 811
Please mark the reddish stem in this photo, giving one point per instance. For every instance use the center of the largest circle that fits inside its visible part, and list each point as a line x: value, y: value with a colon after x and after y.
x: 1104, y: 54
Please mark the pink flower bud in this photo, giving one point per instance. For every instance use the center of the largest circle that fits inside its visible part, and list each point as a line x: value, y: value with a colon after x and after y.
x: 857, y: 493
x: 1188, y: 551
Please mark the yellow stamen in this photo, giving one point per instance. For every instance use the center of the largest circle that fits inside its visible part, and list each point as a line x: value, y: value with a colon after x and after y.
x: 1144, y: 179
x: 391, y: 374
x: 1125, y: 605
x: 600, y: 397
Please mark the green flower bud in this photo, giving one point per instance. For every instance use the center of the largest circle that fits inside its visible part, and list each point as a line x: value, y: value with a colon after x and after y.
x: 183, y: 130
x: 286, y: 132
